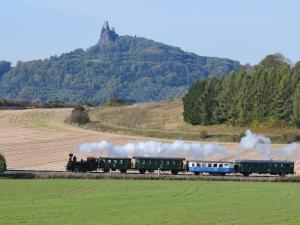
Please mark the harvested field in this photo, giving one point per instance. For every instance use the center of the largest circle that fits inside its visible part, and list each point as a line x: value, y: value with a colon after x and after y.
x: 38, y: 139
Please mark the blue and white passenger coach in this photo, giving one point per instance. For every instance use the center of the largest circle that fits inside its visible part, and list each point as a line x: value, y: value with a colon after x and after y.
x: 211, y: 167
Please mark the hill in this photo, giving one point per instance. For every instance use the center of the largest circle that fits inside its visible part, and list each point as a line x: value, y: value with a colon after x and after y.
x: 134, y: 69
x: 164, y: 119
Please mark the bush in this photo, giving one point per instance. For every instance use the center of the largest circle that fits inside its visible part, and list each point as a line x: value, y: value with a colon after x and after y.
x: 291, y: 137
x: 2, y: 163
x: 203, y: 134
x: 114, y: 102
x: 79, y: 115
x: 238, y: 137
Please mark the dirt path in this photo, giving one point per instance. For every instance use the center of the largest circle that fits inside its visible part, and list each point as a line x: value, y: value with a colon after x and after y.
x: 39, y: 138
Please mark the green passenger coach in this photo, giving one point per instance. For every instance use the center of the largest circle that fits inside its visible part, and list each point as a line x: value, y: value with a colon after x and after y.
x: 273, y: 167
x: 112, y: 164
x: 143, y: 164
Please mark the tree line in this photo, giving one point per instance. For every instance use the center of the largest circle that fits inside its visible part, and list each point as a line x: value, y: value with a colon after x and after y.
x: 23, y: 104
x: 268, y: 94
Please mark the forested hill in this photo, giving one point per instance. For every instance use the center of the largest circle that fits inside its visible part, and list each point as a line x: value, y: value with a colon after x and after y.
x: 268, y: 95
x: 130, y: 68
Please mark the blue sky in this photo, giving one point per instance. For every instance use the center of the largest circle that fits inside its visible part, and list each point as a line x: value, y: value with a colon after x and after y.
x: 245, y: 30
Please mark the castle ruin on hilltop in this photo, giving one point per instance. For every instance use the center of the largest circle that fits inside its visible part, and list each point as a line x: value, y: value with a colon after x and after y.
x: 107, y: 35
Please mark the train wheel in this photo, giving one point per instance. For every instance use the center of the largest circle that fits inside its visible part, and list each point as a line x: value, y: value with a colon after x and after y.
x: 174, y: 172
x: 142, y: 171
x: 123, y: 170
x: 196, y: 173
x: 106, y: 170
x: 246, y: 174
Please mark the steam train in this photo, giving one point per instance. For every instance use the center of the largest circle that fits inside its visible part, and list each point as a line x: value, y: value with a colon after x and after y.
x: 176, y: 165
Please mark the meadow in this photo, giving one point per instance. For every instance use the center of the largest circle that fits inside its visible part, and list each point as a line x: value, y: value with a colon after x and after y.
x: 147, y: 202
x: 164, y: 120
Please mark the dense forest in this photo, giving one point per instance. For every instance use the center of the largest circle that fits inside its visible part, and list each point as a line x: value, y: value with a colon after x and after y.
x: 268, y: 93
x: 133, y: 69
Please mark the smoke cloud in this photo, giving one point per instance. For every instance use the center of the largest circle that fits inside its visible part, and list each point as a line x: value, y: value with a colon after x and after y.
x: 154, y: 148
x: 252, y: 146
x: 258, y: 144
x: 259, y: 147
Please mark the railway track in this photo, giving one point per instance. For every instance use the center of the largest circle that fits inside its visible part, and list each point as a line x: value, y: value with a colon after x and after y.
x: 44, y: 174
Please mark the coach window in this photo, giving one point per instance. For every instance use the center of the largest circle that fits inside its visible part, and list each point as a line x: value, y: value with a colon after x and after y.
x: 220, y: 165
x: 209, y: 164
x: 215, y: 165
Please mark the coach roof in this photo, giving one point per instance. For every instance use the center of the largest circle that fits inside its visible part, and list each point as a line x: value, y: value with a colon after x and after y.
x: 264, y: 161
x: 157, y: 158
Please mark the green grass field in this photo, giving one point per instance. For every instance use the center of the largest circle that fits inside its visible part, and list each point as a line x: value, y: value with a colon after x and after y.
x: 147, y: 202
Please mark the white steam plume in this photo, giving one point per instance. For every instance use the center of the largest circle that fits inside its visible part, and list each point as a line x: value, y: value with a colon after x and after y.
x: 251, y: 146
x: 259, y: 147
x: 258, y: 144
x: 154, y: 148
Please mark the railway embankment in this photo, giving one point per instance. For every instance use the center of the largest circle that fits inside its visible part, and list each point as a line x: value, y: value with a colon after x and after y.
x: 36, y: 174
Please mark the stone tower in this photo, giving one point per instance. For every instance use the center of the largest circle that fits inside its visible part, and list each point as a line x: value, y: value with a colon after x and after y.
x: 108, y: 35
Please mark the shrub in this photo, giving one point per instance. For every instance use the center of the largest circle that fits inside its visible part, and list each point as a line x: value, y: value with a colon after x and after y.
x: 79, y: 115
x: 238, y: 137
x: 290, y: 137
x: 114, y: 102
x: 203, y: 134
x: 2, y: 163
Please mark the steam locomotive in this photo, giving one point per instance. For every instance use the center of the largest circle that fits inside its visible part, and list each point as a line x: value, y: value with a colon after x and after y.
x: 175, y: 165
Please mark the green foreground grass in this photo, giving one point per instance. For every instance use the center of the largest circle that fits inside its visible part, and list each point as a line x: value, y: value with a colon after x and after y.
x: 147, y: 202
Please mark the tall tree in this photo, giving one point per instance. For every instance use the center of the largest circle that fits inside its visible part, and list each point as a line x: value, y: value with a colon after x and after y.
x: 296, y: 107
x: 266, y: 93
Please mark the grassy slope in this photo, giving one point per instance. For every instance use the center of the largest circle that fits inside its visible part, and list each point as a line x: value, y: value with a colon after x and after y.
x: 147, y: 202
x: 164, y: 119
